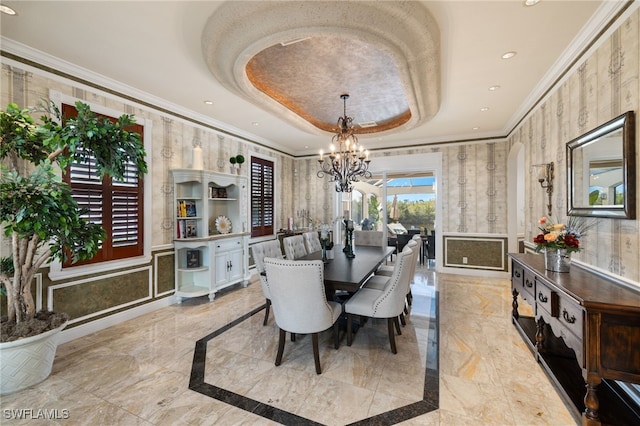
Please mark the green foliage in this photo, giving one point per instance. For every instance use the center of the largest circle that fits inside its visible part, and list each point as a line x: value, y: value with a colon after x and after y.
x: 36, y: 206
x: 41, y: 204
x: 239, y: 159
x: 233, y: 160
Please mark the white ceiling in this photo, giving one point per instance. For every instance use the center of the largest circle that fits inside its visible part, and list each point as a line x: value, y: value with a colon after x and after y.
x: 155, y: 50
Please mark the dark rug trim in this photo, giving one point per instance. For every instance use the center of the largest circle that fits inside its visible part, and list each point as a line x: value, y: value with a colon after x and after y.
x: 429, y: 403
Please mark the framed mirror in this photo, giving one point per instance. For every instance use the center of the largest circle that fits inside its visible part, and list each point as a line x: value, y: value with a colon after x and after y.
x: 601, y: 170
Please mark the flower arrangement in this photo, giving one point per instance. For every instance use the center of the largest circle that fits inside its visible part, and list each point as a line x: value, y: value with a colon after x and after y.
x: 561, y: 236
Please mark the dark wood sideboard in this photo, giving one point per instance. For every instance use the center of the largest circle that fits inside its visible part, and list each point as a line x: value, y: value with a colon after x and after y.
x: 585, y: 332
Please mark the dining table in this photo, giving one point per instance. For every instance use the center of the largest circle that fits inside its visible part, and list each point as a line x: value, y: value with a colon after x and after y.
x: 348, y: 274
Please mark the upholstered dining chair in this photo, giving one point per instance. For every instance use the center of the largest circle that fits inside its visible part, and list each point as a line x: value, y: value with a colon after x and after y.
x: 369, y: 238
x: 312, y: 241
x: 387, y: 270
x: 259, y: 251
x: 387, y: 303
x: 294, y: 247
x: 299, y: 301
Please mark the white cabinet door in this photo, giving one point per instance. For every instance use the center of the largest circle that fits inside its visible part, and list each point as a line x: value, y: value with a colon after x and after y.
x: 222, y: 269
x: 236, y: 270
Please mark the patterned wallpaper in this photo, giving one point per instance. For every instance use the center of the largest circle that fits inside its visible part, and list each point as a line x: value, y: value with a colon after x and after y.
x: 603, y: 85
x: 474, y: 181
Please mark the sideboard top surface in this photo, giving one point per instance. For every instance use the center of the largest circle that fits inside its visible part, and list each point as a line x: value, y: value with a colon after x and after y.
x: 588, y: 288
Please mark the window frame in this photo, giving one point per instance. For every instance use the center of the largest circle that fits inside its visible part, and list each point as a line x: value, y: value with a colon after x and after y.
x: 109, y: 191
x: 254, y: 157
x: 56, y: 270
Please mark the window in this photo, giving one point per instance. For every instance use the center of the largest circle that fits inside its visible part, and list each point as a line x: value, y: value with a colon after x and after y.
x: 116, y: 205
x: 262, y: 185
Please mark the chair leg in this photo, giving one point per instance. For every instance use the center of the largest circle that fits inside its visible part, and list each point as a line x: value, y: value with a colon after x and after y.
x: 316, y: 355
x: 266, y: 312
x: 349, y: 330
x: 410, y: 297
x: 293, y: 337
x: 397, y: 324
x: 402, y: 320
x: 336, y: 335
x: 392, y: 339
x: 281, y: 340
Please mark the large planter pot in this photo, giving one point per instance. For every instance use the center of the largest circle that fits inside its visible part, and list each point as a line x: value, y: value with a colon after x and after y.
x: 557, y: 260
x: 27, y: 361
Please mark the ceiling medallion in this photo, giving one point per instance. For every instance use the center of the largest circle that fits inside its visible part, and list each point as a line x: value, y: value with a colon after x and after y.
x: 350, y: 161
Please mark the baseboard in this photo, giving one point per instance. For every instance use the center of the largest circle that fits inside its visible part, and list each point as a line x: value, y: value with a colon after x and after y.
x: 111, y: 320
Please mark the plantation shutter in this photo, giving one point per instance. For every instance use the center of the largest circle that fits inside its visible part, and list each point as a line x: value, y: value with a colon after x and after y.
x: 116, y: 205
x: 262, y: 188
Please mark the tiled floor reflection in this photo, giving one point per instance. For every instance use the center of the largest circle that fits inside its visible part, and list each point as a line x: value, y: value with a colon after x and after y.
x: 139, y: 372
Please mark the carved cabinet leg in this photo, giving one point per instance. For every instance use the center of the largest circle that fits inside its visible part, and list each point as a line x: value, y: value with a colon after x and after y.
x: 514, y: 305
x: 591, y: 403
x: 540, y: 335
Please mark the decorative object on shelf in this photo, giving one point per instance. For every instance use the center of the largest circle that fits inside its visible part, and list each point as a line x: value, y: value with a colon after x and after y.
x: 193, y: 258
x: 350, y: 161
x: 197, y: 163
x: 223, y: 224
x: 559, y: 240
x: 236, y: 162
x: 545, y: 178
x: 348, y: 239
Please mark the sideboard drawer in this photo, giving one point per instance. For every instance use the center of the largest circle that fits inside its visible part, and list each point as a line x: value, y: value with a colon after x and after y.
x: 570, y: 315
x: 529, y: 285
x: 546, y: 299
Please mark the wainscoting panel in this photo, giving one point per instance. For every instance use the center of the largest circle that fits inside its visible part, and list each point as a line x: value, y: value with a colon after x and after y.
x: 97, y: 296
x: 488, y: 253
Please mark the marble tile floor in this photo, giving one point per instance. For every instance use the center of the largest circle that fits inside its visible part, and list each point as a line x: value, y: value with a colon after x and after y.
x: 459, y: 362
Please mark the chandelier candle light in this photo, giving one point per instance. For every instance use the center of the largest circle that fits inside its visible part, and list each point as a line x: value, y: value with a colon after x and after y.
x: 348, y: 160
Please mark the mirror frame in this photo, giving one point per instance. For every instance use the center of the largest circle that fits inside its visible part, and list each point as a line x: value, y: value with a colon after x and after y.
x: 626, y: 122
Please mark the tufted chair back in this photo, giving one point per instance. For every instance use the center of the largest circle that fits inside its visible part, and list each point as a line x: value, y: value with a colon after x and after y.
x: 391, y: 302
x: 259, y: 251
x: 312, y: 241
x: 369, y: 238
x: 294, y: 247
x: 387, y: 302
x: 299, y: 301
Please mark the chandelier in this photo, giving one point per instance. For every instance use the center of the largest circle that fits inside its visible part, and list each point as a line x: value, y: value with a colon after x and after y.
x: 347, y: 158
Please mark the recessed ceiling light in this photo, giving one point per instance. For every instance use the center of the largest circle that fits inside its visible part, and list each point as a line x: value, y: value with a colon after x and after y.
x: 306, y: 147
x: 255, y: 123
x: 208, y: 102
x: 508, y: 55
x: 531, y: 2
x: 494, y: 88
x: 7, y: 10
x: 483, y: 109
x: 476, y: 128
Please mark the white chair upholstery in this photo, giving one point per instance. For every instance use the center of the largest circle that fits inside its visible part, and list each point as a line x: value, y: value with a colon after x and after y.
x: 259, y: 251
x: 387, y: 270
x: 300, y: 304
x: 312, y: 241
x: 386, y: 303
x: 369, y: 238
x: 294, y: 247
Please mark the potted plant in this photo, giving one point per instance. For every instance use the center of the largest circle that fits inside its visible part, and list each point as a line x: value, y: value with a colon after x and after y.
x: 236, y: 162
x: 40, y: 216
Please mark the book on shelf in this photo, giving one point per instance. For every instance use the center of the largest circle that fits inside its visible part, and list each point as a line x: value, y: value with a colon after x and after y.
x: 217, y: 192
x: 191, y: 228
x: 187, y: 209
x: 193, y: 258
x: 186, y: 228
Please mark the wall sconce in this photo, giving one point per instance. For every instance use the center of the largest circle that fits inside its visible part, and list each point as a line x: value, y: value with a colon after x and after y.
x: 545, y: 178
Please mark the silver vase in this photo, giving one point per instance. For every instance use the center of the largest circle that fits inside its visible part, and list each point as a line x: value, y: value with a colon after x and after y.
x: 557, y: 260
